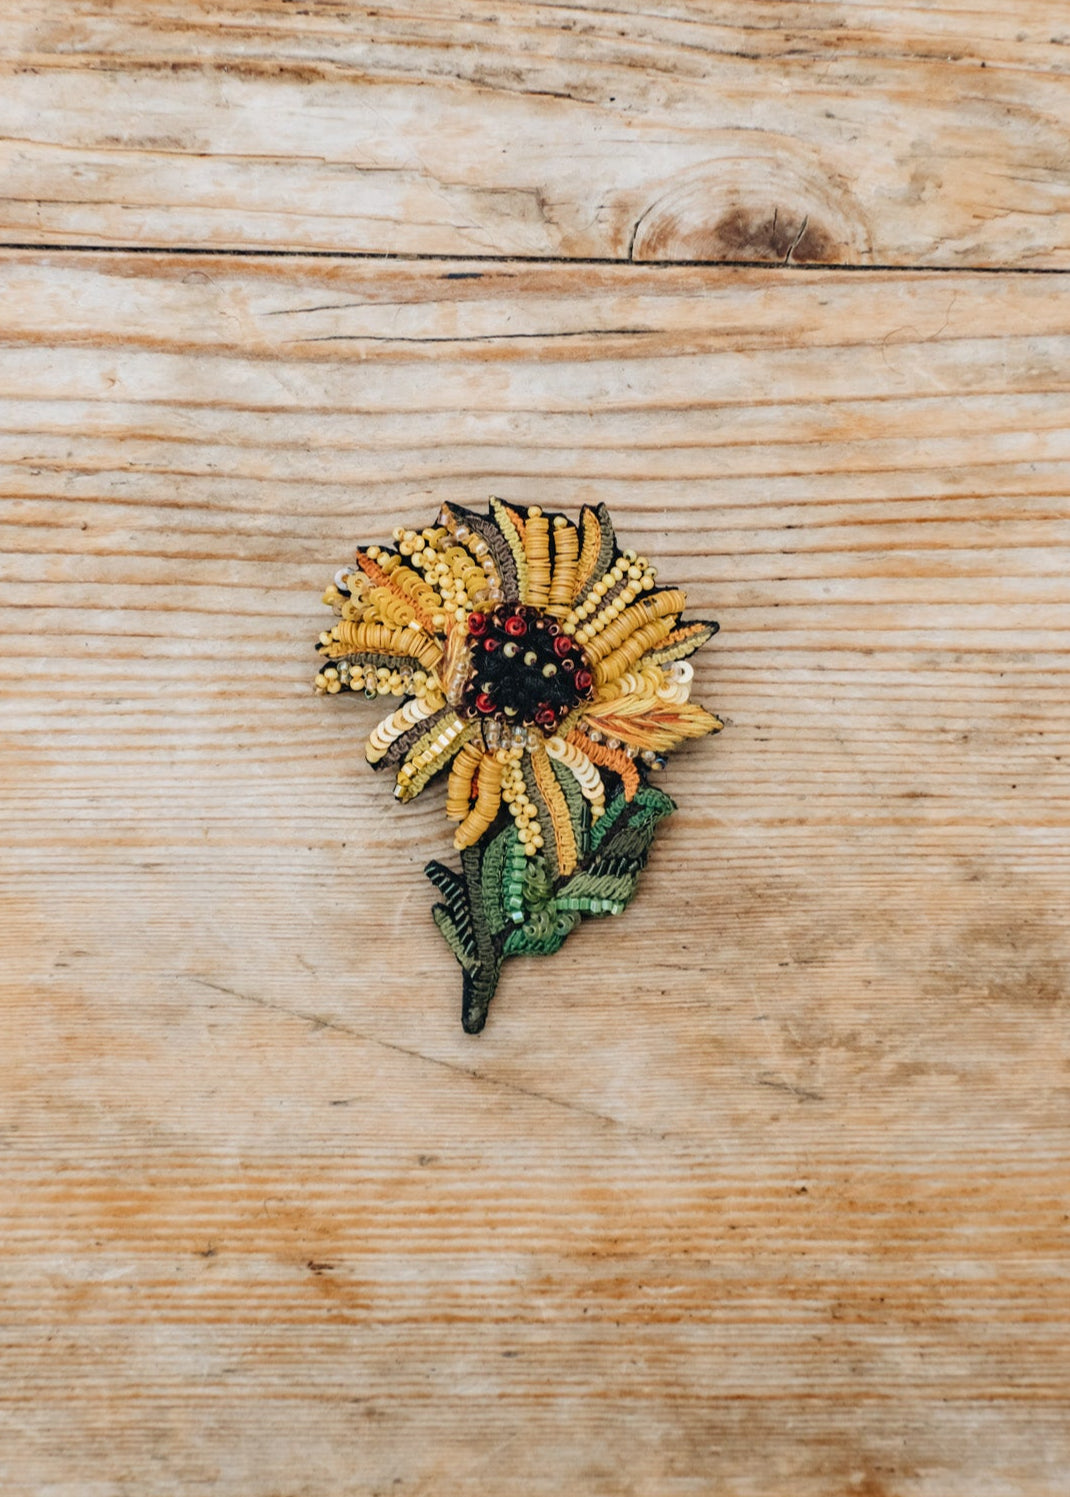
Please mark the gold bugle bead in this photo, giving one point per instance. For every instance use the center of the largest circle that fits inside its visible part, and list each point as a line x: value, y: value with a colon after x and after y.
x: 488, y: 799
x: 659, y: 606
x: 537, y: 548
x: 622, y: 659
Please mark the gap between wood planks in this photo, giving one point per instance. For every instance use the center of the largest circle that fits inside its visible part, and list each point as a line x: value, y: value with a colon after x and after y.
x: 222, y: 252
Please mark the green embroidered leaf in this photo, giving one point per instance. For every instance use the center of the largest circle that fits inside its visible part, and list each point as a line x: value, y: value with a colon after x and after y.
x: 513, y: 889
x: 478, y: 990
x: 444, y: 879
x: 634, y: 840
x: 452, y: 887
x: 645, y: 810
x: 608, y: 820
x: 541, y: 937
x: 538, y: 884
x: 655, y: 800
x: 492, y: 879
x: 602, y: 891
x: 463, y: 950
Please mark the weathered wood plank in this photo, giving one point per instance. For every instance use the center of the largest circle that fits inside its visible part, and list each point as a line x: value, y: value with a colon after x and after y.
x: 805, y: 132
x: 761, y: 1189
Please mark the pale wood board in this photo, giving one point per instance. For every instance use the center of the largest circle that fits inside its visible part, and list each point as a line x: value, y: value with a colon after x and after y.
x: 897, y: 134
x: 761, y: 1189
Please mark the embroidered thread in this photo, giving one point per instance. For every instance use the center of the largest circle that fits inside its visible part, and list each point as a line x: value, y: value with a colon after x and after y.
x: 547, y: 671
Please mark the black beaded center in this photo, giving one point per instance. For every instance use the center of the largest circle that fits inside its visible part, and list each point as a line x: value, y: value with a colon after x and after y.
x: 525, y: 671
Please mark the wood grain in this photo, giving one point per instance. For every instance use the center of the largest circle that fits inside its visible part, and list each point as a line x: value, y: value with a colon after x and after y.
x: 762, y: 1189
x: 789, y: 132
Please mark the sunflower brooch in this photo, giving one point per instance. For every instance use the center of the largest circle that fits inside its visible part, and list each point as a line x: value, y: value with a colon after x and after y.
x: 546, y: 669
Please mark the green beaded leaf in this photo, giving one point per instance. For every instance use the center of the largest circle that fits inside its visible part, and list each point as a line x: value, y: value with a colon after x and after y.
x: 496, y: 861
x: 542, y: 935
x: 504, y: 903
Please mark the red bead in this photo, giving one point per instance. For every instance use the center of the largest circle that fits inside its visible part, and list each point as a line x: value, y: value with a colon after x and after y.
x: 484, y: 702
x: 477, y: 623
x: 562, y: 645
x: 546, y: 717
x: 515, y: 626
x: 583, y: 680
x: 490, y: 643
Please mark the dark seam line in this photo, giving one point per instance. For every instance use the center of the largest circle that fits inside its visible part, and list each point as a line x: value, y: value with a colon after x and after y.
x: 582, y: 332
x: 557, y: 260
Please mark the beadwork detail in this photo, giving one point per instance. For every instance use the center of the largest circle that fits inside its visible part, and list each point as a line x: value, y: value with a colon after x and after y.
x: 523, y: 671
x: 546, y: 670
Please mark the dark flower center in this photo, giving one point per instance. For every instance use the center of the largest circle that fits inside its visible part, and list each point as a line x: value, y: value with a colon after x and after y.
x: 525, y: 672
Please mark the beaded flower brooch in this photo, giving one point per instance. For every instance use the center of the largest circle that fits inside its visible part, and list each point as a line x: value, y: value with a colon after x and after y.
x: 546, y: 668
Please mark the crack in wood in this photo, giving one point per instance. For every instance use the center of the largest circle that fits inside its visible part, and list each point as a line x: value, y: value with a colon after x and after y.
x: 319, y: 1022
x: 623, y: 261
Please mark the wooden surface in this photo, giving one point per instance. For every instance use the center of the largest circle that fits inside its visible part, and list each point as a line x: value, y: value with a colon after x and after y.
x: 901, y: 134
x: 761, y: 1190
